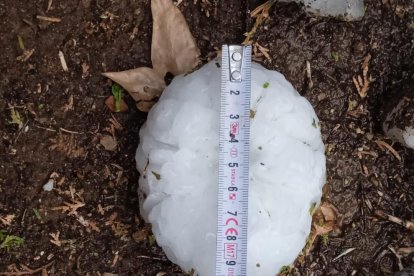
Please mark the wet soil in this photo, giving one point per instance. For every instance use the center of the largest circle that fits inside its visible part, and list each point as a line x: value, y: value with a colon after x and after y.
x: 106, y: 235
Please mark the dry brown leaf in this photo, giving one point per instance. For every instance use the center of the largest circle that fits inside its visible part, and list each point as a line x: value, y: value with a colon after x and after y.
x: 7, y: 220
x: 145, y: 106
x: 71, y: 208
x: 173, y: 50
x: 323, y: 229
x: 67, y: 144
x: 324, y: 220
x: 329, y: 211
x: 55, y: 239
x: 108, y: 142
x: 142, y: 234
x: 85, y: 70
x: 94, y: 226
x: 142, y: 83
x: 173, y: 47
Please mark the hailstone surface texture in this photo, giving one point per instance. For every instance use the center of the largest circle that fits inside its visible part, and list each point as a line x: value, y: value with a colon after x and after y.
x: 177, y: 159
x: 344, y: 9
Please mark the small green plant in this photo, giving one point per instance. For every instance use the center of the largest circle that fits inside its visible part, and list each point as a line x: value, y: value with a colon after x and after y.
x: 152, y: 240
x: 157, y: 175
x: 9, y: 241
x: 312, y: 208
x: 284, y: 270
x: 265, y: 85
x: 314, y: 123
x: 37, y: 214
x: 117, y: 92
x: 16, y: 119
x: 21, y: 43
x: 325, y: 239
x: 335, y: 56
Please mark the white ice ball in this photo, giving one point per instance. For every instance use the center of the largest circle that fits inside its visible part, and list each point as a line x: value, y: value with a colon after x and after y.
x: 177, y: 160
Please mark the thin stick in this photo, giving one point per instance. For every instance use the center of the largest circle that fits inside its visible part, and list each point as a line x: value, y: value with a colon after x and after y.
x: 309, y: 74
x: 405, y: 250
x: 49, y: 19
x: 406, y: 223
x: 398, y: 256
x: 26, y: 271
x: 63, y: 62
x: 151, y: 258
x: 49, y: 5
x: 45, y: 128
x: 70, y: 131
x: 383, y: 145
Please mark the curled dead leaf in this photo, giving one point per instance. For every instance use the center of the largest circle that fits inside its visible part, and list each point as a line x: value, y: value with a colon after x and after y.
x: 325, y: 220
x: 108, y: 142
x: 173, y: 47
x: 173, y: 50
x: 142, y: 83
x: 329, y: 211
x: 323, y: 229
x: 141, y: 235
x: 145, y: 106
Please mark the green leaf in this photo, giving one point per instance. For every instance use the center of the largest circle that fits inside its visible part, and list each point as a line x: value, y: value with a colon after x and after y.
x: 151, y: 240
x: 117, y: 92
x: 335, y: 56
x: 16, y: 118
x: 9, y: 241
x: 312, y: 208
x: 157, y: 175
x: 285, y: 269
x: 314, y: 123
x: 265, y: 85
x: 37, y: 214
x: 21, y: 43
x: 325, y: 239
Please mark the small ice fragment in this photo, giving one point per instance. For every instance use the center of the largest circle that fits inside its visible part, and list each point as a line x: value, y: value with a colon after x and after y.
x: 49, y: 185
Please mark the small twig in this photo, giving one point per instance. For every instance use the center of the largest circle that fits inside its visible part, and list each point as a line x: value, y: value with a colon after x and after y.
x: 23, y: 217
x: 346, y: 252
x: 151, y: 258
x: 405, y: 250
x: 45, y: 128
x: 362, y: 82
x: 49, y: 5
x: 70, y: 131
x: 26, y: 270
x: 309, y: 74
x: 49, y: 19
x: 63, y: 62
x: 406, y: 223
x: 20, y: 131
x: 383, y: 145
x: 28, y: 22
x: 398, y: 256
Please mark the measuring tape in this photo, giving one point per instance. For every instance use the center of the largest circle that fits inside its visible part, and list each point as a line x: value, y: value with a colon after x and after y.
x: 234, y: 144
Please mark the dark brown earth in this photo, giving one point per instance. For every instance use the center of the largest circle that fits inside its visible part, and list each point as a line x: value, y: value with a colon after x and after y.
x: 362, y: 176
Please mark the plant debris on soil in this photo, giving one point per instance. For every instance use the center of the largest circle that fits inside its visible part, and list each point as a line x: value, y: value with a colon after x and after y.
x: 55, y: 126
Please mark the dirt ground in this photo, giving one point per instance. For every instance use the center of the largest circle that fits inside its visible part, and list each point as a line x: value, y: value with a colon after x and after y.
x: 63, y: 119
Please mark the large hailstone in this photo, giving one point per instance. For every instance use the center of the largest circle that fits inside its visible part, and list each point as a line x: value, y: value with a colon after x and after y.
x: 177, y: 159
